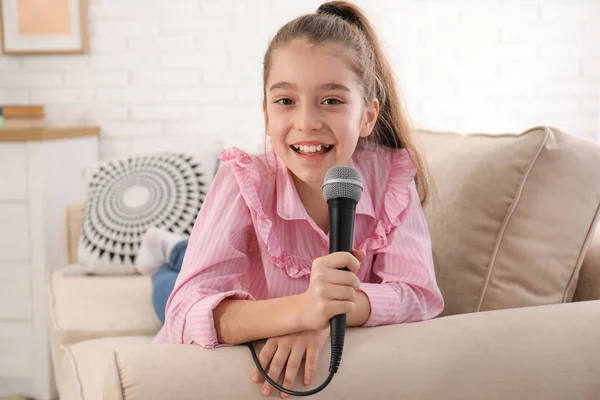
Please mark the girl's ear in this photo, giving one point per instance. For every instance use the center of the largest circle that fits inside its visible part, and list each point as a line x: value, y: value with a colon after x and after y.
x: 369, y: 118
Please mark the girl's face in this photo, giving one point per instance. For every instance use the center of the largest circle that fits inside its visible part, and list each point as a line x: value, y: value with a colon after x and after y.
x: 314, y: 109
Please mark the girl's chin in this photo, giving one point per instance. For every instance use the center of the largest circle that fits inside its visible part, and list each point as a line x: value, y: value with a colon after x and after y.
x: 310, y: 169
x: 310, y: 176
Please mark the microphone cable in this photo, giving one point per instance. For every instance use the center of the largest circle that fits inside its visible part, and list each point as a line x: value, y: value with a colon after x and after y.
x: 337, y: 326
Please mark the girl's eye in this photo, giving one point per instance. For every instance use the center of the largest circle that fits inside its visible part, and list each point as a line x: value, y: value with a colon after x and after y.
x: 332, y: 102
x: 285, y: 102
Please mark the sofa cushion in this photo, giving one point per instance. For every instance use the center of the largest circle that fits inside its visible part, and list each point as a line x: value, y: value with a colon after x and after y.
x: 83, y: 365
x: 126, y: 196
x: 89, y: 307
x: 512, y: 216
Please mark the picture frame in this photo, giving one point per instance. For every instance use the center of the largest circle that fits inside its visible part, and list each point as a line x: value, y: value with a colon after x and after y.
x: 33, y: 27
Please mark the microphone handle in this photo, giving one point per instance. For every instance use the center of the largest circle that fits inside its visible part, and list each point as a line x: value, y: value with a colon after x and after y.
x: 341, y: 233
x: 341, y: 224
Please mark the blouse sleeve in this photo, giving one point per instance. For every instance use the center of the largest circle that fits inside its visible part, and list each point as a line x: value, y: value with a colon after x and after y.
x: 216, y: 264
x: 404, y: 288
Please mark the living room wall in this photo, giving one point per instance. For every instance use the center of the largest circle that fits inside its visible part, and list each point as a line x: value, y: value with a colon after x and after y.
x: 179, y: 75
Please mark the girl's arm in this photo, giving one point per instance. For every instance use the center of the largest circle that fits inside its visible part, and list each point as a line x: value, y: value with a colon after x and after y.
x: 216, y: 266
x: 408, y: 290
x: 242, y: 321
x: 363, y: 310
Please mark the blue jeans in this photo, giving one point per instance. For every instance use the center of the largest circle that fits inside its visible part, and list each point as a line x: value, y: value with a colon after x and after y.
x: 164, y: 279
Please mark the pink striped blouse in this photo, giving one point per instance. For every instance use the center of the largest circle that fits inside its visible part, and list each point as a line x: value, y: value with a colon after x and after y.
x: 253, y: 239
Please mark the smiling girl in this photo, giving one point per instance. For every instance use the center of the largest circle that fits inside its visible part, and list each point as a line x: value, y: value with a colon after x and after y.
x: 257, y: 263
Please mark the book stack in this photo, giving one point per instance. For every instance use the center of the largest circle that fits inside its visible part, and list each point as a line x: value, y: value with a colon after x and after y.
x: 13, y: 117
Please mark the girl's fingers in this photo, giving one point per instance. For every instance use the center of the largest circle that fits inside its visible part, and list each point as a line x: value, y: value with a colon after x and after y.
x: 310, y: 366
x: 343, y: 278
x: 255, y: 376
x: 359, y: 254
x: 275, y: 368
x: 341, y: 307
x: 291, y: 369
x: 341, y: 292
x: 264, y: 357
x: 340, y: 260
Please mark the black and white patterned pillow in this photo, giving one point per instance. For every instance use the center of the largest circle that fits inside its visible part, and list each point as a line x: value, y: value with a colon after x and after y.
x: 128, y: 195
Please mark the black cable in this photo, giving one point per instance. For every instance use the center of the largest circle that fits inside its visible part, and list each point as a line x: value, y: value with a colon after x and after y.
x: 338, y: 332
x: 282, y: 389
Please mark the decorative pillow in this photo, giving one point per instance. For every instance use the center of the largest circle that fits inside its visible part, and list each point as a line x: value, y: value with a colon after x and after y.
x: 126, y: 196
x: 512, y: 216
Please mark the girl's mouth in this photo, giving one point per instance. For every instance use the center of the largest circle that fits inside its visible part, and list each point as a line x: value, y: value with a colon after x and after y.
x: 312, y: 150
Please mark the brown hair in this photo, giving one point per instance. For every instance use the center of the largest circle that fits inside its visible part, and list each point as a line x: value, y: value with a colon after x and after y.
x: 343, y: 23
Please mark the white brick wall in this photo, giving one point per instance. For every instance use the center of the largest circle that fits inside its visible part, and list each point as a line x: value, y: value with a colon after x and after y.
x: 181, y: 74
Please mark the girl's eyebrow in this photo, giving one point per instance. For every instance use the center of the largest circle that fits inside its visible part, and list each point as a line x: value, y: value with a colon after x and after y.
x: 326, y: 86
x: 281, y: 85
x: 334, y: 86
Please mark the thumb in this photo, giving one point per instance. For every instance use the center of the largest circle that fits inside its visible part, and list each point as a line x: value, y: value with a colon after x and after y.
x: 359, y: 254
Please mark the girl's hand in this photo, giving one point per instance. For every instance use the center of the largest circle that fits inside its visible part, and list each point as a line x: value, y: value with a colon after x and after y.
x: 331, y: 291
x: 291, y: 349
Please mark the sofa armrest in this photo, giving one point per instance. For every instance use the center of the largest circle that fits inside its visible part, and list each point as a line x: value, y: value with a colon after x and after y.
x: 71, y: 232
x: 544, y: 352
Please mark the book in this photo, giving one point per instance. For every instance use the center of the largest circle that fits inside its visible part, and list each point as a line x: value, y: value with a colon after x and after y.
x: 21, y: 123
x: 16, y: 111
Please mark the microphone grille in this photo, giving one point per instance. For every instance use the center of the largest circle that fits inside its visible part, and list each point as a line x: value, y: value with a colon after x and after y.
x: 342, y: 181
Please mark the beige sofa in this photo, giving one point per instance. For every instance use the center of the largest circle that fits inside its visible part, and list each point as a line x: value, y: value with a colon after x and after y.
x: 512, y: 220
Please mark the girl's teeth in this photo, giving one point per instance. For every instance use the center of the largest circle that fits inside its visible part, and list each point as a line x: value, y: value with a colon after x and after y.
x: 311, y: 149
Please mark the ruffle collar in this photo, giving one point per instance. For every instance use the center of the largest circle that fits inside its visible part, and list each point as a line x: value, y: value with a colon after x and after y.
x: 254, y: 173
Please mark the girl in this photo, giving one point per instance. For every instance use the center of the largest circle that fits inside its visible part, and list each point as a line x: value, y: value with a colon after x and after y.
x: 257, y: 263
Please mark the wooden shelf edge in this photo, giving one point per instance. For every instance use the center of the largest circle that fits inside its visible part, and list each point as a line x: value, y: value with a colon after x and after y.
x: 27, y: 135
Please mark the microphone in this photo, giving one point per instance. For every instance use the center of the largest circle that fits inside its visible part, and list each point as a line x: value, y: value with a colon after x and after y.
x: 342, y: 189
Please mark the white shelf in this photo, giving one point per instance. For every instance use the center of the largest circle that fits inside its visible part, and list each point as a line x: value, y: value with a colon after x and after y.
x: 40, y: 175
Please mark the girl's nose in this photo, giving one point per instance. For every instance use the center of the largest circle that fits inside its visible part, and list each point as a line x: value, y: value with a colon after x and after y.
x: 308, y: 119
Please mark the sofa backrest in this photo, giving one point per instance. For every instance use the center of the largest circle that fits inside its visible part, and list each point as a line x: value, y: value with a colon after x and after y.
x: 511, y: 218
